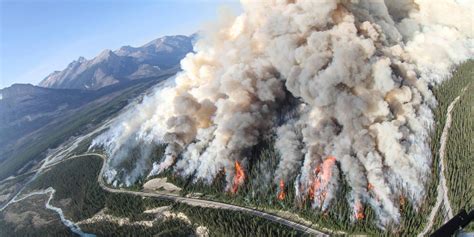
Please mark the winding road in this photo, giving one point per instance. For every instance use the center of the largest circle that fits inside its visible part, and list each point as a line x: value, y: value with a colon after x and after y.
x: 186, y: 200
x: 207, y: 204
x: 442, y: 196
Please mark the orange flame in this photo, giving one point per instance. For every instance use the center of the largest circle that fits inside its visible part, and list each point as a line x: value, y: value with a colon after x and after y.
x: 323, y: 174
x: 238, y: 178
x: 311, y: 191
x: 402, y: 201
x: 359, y: 211
x: 281, y: 194
x: 370, y: 186
x: 326, y: 169
x: 315, y: 184
x: 318, y: 169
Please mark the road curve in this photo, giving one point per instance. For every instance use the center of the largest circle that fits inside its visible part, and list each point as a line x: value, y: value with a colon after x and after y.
x: 205, y: 203
x: 442, y: 190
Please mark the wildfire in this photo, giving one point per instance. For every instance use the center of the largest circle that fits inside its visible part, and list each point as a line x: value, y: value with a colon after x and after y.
x: 370, y: 186
x: 359, y: 211
x: 238, y: 178
x: 281, y: 194
x: 311, y: 192
x: 402, y: 201
x: 323, y: 174
x: 326, y: 172
x: 315, y: 184
x: 318, y: 169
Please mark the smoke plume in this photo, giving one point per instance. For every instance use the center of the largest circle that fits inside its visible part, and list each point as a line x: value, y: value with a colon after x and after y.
x: 359, y: 71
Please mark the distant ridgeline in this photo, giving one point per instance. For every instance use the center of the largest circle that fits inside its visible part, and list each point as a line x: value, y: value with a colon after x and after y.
x: 153, y: 59
x: 34, y: 119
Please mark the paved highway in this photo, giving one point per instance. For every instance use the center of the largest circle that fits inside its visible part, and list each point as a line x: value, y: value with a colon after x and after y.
x: 186, y: 200
x: 206, y: 203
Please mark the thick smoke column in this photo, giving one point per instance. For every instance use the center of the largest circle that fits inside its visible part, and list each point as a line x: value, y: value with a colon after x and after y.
x: 137, y: 130
x: 360, y: 70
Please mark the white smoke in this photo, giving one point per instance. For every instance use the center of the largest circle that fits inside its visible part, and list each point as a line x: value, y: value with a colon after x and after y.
x: 289, y: 145
x: 360, y: 70
x: 138, y: 129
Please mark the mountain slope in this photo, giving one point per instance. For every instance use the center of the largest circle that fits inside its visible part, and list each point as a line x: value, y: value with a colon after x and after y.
x: 35, y: 119
x: 24, y: 108
x: 32, y: 117
x: 153, y: 59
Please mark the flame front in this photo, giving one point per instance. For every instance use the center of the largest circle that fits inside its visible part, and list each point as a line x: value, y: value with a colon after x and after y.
x: 238, y: 178
x: 370, y: 186
x: 402, y: 200
x: 281, y: 194
x: 359, y: 211
x: 323, y: 174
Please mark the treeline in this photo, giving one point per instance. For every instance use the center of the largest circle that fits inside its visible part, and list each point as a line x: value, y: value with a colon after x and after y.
x: 73, y: 124
x: 221, y: 222
x: 260, y: 190
x: 167, y: 228
x: 76, y: 179
x: 132, y: 206
x: 413, y: 220
x: 459, y: 157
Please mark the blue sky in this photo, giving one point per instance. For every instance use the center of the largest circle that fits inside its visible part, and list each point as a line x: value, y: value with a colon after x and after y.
x: 40, y: 36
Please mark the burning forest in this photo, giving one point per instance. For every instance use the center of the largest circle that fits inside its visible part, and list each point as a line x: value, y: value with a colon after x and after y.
x: 342, y: 87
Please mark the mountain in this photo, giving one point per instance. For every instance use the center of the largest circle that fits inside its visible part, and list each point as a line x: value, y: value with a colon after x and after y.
x: 25, y: 108
x: 158, y: 57
x: 35, y: 119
